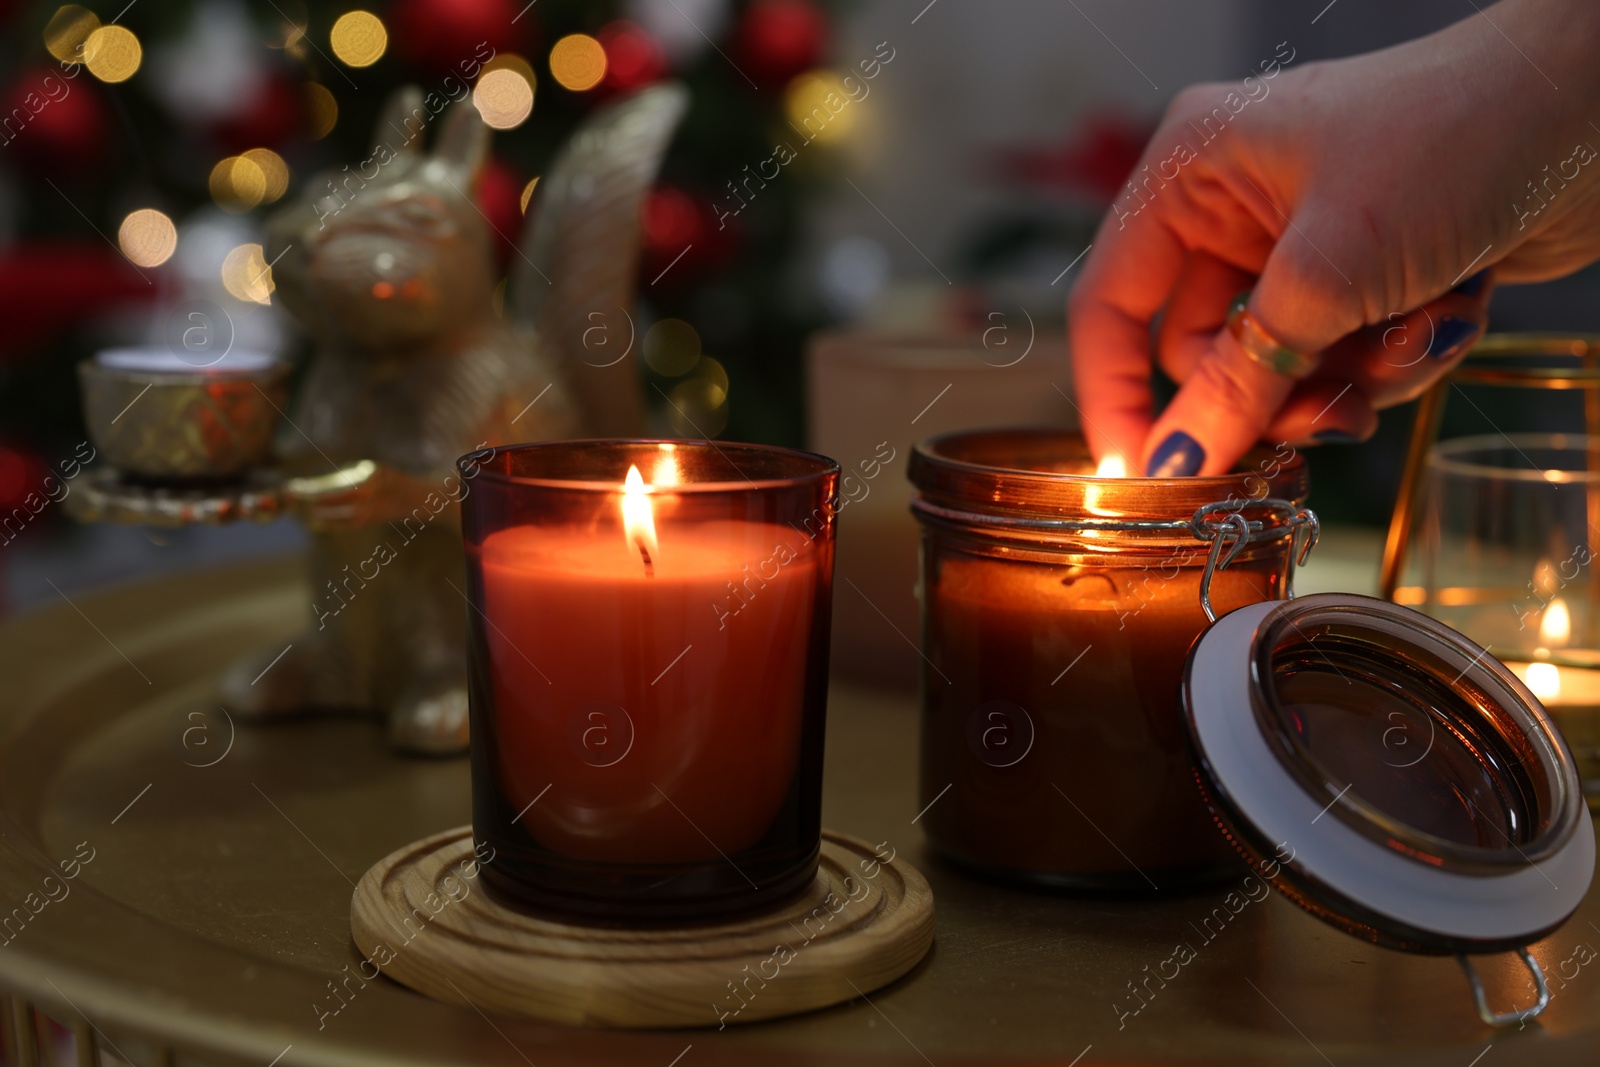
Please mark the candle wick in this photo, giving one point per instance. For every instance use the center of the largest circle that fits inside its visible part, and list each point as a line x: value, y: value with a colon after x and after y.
x: 649, y: 567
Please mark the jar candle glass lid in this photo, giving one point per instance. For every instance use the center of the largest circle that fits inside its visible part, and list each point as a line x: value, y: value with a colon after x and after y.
x: 1413, y: 789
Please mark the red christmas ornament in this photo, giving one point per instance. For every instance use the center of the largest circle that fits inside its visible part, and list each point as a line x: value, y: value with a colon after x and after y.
x: 681, y: 236
x: 499, y: 197
x: 58, y: 125
x: 777, y: 39
x: 633, y: 58
x: 45, y: 287
x: 21, y: 472
x: 439, y: 37
x: 1096, y: 160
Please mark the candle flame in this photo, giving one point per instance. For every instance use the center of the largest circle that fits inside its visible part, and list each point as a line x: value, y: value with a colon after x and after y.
x: 1544, y: 679
x: 638, y: 517
x: 1555, y: 628
x: 1112, y: 466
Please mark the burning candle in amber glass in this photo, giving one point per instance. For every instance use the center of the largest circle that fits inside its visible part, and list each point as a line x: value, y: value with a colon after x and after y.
x: 1058, y: 609
x: 649, y: 641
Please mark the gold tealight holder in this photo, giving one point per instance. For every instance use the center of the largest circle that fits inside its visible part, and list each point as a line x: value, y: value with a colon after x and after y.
x: 1501, y: 524
x: 154, y: 415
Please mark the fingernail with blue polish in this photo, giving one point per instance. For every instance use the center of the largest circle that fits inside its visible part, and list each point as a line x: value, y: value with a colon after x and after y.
x: 1451, y: 336
x: 1473, y: 285
x: 1179, y: 456
x: 1335, y: 437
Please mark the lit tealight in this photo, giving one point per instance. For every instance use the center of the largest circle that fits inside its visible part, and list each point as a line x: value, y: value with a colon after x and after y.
x: 147, y: 237
x: 246, y: 275
x: 527, y: 193
x: 1112, y: 466
x: 359, y: 39
x: 504, y: 98
x: 578, y: 62
x: 1555, y: 626
x: 112, y: 54
x: 1544, y: 679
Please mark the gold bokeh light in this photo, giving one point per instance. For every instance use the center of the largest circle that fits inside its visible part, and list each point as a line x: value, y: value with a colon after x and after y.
x: 147, y: 237
x: 274, y: 172
x: 504, y: 98
x: 67, y: 31
x: 245, y: 274
x: 237, y: 184
x: 671, y: 347
x: 578, y: 62
x: 112, y: 54
x: 359, y: 39
x: 816, y: 103
x: 322, y: 109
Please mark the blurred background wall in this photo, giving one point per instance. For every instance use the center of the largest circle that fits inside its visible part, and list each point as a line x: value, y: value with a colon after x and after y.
x: 962, y: 185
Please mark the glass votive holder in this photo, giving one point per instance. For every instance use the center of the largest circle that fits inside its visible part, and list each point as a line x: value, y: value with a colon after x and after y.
x: 649, y: 653
x: 1505, y: 557
x: 1058, y: 610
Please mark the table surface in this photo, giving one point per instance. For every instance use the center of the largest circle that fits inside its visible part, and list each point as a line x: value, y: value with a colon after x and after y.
x: 215, y: 910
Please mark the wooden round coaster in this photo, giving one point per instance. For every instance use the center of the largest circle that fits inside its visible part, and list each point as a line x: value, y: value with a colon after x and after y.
x: 422, y: 917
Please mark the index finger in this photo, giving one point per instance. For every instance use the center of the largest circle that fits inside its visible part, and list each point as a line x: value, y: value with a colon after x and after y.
x: 1132, y: 268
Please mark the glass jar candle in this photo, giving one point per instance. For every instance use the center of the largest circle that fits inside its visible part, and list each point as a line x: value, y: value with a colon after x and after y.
x: 1058, y: 609
x: 649, y: 651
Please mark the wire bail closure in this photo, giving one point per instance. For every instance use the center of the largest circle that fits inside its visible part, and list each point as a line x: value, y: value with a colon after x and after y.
x: 1501, y: 1020
x: 1228, y: 531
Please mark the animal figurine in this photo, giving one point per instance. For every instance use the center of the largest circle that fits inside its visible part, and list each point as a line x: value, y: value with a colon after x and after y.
x: 388, y: 266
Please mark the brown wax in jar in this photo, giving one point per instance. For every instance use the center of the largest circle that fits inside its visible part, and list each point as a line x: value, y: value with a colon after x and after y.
x: 1071, y: 778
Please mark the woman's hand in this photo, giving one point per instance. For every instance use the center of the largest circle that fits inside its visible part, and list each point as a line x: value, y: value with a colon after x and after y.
x: 1367, y: 202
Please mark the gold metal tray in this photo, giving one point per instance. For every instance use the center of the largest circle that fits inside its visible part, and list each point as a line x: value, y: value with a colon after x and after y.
x: 214, y: 913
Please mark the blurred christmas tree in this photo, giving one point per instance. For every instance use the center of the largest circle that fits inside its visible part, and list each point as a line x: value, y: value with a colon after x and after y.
x: 141, y: 143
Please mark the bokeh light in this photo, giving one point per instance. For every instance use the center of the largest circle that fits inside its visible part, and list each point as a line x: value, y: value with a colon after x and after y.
x: 715, y: 376
x: 633, y: 58
x: 806, y: 100
x: 699, y: 407
x: 112, y: 54
x: 321, y: 109
x: 237, y: 184
x: 147, y: 237
x: 274, y: 172
x: 67, y: 30
x: 504, y: 98
x: 359, y: 39
x: 527, y: 193
x: 245, y: 274
x: 671, y: 347
x: 578, y: 62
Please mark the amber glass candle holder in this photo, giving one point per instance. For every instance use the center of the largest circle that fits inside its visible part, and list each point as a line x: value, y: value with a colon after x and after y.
x: 1058, y: 610
x: 649, y: 653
